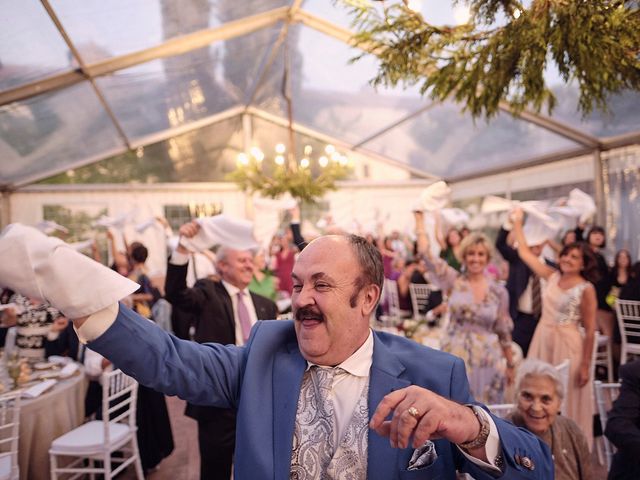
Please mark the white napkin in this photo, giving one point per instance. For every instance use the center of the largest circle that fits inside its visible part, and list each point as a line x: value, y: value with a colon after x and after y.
x: 48, y: 269
x: 141, y: 227
x: 59, y: 359
x: 49, y: 226
x: 537, y: 231
x: 454, y: 216
x: 68, y: 370
x: 582, y: 203
x: 435, y: 196
x: 118, y: 222
x: 223, y: 230
x: 493, y: 204
x: 81, y: 245
x: 38, y: 389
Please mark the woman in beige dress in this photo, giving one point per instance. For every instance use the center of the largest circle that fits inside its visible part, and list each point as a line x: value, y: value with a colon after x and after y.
x: 568, y: 303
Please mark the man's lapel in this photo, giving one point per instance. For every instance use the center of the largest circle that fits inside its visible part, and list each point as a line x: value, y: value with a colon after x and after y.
x: 288, y: 369
x: 228, y: 306
x: 384, y: 379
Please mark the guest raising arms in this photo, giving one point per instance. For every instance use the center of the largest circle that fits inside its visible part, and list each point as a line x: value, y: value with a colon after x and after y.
x: 480, y: 327
x: 568, y: 303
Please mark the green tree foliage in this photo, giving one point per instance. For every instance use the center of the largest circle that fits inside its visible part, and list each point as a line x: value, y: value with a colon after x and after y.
x: 502, y: 52
x: 305, y: 184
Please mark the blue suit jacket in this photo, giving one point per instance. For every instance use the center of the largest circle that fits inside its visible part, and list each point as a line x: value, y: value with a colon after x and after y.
x: 263, y: 379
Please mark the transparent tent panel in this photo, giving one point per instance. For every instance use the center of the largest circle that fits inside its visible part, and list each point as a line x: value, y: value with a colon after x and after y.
x: 206, y: 154
x: 435, y: 12
x: 31, y: 48
x: 329, y: 94
x: 445, y: 142
x: 101, y: 30
x: 623, y: 115
x: 171, y: 92
x: 51, y: 132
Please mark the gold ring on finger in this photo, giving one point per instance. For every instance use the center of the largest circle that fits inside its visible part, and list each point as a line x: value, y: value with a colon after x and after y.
x: 413, y: 411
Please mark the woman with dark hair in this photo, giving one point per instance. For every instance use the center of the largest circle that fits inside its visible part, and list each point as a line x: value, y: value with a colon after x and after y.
x: 605, y: 318
x: 449, y: 244
x: 620, y: 275
x: 568, y: 303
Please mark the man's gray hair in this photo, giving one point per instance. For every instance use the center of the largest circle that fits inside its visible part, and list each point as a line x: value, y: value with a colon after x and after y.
x: 370, y: 260
x: 222, y: 252
x: 532, y: 367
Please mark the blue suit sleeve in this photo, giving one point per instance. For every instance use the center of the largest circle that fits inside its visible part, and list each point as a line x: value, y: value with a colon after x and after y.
x: 203, y: 374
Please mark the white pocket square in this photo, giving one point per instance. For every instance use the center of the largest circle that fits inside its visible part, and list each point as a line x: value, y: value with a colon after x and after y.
x: 423, y: 456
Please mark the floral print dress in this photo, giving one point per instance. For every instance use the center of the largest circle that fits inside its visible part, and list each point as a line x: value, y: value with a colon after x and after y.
x: 476, y: 331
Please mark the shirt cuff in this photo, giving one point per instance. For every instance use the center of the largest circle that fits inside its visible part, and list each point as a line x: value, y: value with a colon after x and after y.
x: 52, y: 336
x: 507, y: 225
x: 492, y: 447
x: 97, y: 323
x: 179, y: 258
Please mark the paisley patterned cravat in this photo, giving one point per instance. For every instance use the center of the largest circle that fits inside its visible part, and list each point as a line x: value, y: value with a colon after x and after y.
x: 318, y: 453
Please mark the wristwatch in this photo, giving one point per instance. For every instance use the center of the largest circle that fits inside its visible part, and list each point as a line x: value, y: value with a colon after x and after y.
x: 483, y: 435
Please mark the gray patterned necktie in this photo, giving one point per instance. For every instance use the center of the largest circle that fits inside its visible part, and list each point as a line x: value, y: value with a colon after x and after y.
x: 315, y: 439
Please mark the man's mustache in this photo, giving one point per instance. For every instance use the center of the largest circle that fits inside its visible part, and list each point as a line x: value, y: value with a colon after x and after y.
x: 308, y: 313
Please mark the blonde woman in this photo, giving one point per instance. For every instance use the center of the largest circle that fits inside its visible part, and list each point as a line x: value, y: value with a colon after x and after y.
x: 479, y: 329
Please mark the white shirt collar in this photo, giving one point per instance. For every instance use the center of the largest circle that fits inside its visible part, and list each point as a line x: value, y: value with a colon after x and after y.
x: 359, y: 363
x: 232, y: 290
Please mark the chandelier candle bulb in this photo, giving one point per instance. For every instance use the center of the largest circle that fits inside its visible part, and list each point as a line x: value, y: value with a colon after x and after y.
x: 257, y: 154
x: 243, y: 159
x: 280, y: 149
x: 304, y: 163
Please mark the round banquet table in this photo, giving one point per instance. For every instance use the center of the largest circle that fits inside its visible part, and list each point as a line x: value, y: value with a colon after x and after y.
x: 45, y: 418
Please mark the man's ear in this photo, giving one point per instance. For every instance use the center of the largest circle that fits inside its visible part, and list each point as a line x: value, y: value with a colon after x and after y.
x: 371, y: 296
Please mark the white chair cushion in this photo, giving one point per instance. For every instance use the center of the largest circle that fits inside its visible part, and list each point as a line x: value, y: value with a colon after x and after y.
x: 89, y: 438
x: 5, y: 467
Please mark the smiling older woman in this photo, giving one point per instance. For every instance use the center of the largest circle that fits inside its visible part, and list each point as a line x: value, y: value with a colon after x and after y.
x: 539, y: 393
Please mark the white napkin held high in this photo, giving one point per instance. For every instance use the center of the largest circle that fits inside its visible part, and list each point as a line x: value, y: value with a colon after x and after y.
x: 221, y: 230
x: 49, y: 226
x: 48, y: 269
x: 435, y: 196
x: 82, y: 245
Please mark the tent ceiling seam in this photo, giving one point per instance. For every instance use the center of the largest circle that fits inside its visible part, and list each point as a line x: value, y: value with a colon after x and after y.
x: 172, y: 47
x: 74, y: 51
x: 395, y: 124
x: 554, y: 126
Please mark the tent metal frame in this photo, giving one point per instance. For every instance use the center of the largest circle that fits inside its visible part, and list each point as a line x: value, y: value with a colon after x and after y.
x: 289, y: 15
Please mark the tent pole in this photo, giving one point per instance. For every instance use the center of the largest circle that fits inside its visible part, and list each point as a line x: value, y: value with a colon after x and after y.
x: 247, y: 140
x: 5, y: 209
x: 601, y: 187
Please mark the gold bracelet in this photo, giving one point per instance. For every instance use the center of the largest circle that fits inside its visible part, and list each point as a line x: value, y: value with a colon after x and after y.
x: 485, y: 429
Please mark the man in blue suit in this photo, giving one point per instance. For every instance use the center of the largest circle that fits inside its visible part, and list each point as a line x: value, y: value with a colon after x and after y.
x: 392, y: 409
